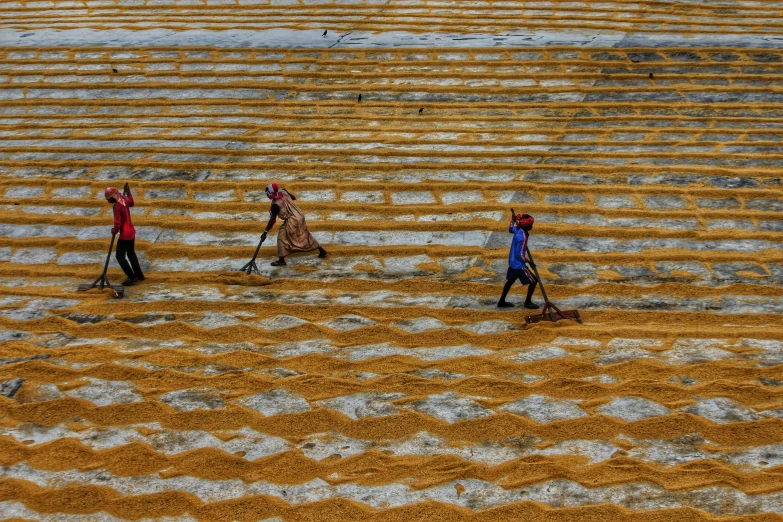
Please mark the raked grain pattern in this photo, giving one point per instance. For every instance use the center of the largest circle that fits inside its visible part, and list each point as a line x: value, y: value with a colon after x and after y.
x: 382, y: 383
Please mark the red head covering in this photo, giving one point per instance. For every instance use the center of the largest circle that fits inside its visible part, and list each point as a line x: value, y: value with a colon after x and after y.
x: 273, y: 191
x: 525, y: 220
x: 112, y: 192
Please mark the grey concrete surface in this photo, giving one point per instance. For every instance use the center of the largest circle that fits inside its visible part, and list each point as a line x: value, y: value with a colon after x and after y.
x: 293, y: 39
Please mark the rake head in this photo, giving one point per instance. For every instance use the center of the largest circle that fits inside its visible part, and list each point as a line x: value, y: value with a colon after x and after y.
x: 250, y: 268
x: 552, y: 313
x: 103, y: 282
x: 119, y: 291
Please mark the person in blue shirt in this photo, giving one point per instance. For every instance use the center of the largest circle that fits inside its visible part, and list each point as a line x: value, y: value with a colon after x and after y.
x: 520, y: 226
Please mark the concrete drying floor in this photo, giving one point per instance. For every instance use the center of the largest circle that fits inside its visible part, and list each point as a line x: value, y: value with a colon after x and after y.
x: 382, y: 383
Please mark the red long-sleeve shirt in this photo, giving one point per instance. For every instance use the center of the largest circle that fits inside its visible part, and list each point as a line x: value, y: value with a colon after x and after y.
x: 122, y: 218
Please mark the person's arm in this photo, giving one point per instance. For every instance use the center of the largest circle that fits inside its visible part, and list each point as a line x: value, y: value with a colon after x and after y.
x: 273, y: 212
x: 128, y: 196
x: 117, y: 219
x: 519, y: 254
x: 526, y: 251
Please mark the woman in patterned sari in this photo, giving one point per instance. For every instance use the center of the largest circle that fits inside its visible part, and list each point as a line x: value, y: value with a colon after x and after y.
x: 293, y: 235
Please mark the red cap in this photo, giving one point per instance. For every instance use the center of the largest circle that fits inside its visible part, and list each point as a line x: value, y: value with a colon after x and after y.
x: 272, y: 191
x: 525, y: 220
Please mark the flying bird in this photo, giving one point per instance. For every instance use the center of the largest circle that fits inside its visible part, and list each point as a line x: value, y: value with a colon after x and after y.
x: 360, y: 97
x: 114, y: 70
x: 325, y: 31
x: 421, y: 110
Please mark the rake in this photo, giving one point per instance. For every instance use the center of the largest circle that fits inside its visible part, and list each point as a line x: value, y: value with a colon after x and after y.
x: 550, y: 312
x: 103, y: 280
x: 251, y: 267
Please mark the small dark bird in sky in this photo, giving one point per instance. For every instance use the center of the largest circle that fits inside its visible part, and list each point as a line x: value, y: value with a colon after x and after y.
x: 421, y: 110
x: 326, y: 31
x: 114, y: 70
x: 651, y: 76
x: 360, y: 97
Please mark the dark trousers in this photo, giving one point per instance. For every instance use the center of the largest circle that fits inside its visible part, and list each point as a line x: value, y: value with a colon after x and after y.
x: 525, y: 277
x: 125, y: 247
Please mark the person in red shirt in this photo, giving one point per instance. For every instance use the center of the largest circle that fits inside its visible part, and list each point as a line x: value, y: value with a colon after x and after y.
x: 126, y: 242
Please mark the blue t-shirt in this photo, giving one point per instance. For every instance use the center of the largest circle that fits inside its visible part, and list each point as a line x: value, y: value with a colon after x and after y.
x: 517, y: 255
